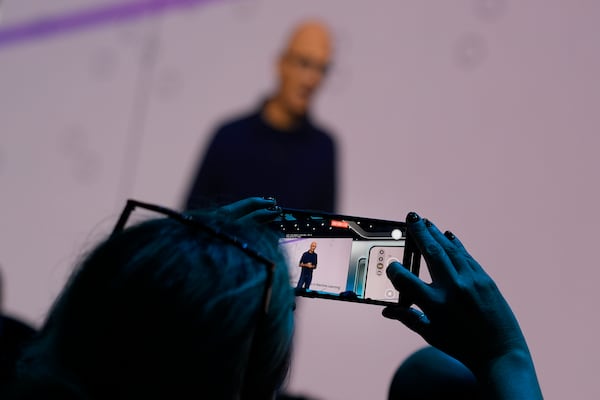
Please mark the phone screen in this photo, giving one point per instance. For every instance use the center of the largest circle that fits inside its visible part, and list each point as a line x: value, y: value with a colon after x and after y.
x: 343, y: 257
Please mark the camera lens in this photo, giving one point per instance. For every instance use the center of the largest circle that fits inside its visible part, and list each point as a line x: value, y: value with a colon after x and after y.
x: 379, y: 265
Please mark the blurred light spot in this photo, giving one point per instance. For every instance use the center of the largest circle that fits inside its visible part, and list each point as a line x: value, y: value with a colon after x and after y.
x: 470, y: 50
x: 489, y: 10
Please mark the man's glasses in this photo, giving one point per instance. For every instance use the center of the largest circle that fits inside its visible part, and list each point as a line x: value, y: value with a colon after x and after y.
x: 189, y: 220
x: 307, y: 64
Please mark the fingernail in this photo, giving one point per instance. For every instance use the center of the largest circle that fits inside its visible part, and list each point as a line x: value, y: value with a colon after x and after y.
x: 449, y: 235
x: 427, y: 223
x: 271, y: 198
x: 412, y: 217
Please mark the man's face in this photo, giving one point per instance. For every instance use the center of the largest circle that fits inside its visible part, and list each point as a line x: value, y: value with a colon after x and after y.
x: 302, y: 69
x: 313, y: 246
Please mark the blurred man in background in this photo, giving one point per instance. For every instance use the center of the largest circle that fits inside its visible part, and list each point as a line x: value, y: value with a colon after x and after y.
x: 277, y: 150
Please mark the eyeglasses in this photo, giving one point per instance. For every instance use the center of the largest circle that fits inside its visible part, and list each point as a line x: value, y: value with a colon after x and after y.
x: 307, y: 64
x: 189, y: 220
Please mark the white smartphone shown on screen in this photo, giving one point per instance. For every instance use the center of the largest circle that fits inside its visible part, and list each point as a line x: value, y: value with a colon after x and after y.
x: 377, y: 285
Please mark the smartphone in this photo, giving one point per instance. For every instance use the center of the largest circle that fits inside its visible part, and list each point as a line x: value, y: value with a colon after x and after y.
x: 344, y: 257
x: 377, y: 285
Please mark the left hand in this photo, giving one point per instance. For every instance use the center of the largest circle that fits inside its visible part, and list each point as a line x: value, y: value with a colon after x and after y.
x: 257, y: 209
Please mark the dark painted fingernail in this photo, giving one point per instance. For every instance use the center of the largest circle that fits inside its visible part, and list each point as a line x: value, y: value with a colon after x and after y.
x: 449, y: 235
x: 427, y: 223
x: 412, y: 217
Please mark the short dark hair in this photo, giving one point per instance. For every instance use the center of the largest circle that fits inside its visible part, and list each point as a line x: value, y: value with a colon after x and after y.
x: 162, y: 309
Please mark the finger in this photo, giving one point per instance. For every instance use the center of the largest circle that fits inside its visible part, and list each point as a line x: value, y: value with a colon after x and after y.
x: 246, y: 206
x: 455, y: 252
x: 455, y: 242
x: 439, y: 264
x: 471, y: 262
x: 262, y: 215
x: 408, y: 284
x: 414, y: 319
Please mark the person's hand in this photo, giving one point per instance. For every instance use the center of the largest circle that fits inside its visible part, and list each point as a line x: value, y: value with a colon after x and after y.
x: 259, y: 209
x: 464, y: 313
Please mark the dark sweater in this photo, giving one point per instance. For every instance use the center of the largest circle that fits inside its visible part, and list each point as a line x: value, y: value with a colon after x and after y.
x: 247, y: 157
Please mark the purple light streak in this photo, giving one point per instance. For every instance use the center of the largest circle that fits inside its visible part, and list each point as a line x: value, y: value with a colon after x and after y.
x: 48, y: 26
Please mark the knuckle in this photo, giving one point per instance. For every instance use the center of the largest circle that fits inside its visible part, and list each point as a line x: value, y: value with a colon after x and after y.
x: 432, y: 249
x: 462, y: 287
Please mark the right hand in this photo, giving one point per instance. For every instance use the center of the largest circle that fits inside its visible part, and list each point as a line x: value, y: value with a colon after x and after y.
x: 464, y: 313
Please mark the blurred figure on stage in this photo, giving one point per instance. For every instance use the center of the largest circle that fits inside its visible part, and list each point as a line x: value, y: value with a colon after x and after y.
x: 277, y: 149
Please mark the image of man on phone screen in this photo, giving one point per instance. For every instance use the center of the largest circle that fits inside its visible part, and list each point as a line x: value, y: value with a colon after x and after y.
x: 308, y: 263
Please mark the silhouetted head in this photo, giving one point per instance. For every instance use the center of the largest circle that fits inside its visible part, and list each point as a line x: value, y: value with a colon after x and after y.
x: 430, y: 374
x: 302, y: 66
x: 165, y: 310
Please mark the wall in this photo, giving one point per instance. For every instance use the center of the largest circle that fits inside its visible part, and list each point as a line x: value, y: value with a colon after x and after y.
x: 480, y: 114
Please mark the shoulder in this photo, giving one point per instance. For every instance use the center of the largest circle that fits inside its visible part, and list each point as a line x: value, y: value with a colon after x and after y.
x: 322, y: 134
x: 234, y: 130
x: 238, y: 122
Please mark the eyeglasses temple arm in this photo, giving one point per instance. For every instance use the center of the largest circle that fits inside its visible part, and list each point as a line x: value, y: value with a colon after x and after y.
x: 124, y: 217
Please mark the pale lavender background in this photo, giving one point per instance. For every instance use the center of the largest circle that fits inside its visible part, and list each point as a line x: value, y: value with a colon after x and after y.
x: 481, y: 114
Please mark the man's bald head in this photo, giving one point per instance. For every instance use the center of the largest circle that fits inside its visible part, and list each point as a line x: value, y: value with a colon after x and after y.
x: 310, y: 36
x: 302, y: 65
